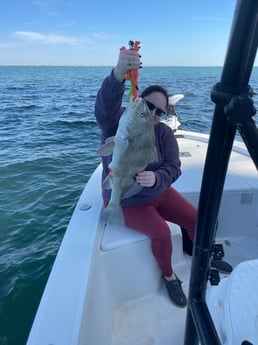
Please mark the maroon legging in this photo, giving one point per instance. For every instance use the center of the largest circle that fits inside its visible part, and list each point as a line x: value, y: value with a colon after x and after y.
x: 151, y: 220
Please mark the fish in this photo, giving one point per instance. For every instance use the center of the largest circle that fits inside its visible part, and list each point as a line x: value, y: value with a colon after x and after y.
x: 132, y: 148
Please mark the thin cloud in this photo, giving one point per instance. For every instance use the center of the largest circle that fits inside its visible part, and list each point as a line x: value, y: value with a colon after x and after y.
x: 68, y: 24
x: 103, y: 36
x: 51, y: 39
x: 39, y: 37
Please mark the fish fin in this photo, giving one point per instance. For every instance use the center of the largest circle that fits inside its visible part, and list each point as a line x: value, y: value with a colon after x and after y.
x: 110, y: 139
x: 134, y: 189
x: 106, y: 183
x: 113, y: 215
x: 107, y: 148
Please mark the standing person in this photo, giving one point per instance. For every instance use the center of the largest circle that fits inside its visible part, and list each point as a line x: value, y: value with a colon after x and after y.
x: 157, y: 202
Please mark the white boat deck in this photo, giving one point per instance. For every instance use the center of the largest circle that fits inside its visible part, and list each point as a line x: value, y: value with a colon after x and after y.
x: 153, y: 319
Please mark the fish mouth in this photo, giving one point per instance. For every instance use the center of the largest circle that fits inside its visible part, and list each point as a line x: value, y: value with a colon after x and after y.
x: 147, y: 109
x: 146, y: 106
x: 143, y: 105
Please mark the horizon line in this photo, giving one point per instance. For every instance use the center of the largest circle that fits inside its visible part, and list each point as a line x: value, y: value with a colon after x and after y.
x: 111, y: 66
x: 66, y: 65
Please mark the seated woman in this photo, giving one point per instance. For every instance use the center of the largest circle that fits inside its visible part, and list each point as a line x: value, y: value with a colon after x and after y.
x: 157, y: 202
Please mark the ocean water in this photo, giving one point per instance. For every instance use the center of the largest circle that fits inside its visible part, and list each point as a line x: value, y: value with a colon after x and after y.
x: 48, y: 138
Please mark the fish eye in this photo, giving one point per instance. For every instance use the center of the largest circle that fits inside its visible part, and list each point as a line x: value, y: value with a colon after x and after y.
x: 142, y: 114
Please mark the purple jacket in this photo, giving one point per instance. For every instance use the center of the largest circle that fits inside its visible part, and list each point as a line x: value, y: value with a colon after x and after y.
x: 108, y: 110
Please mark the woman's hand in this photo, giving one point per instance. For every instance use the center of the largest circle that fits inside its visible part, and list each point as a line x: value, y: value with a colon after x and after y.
x: 146, y: 178
x: 128, y: 60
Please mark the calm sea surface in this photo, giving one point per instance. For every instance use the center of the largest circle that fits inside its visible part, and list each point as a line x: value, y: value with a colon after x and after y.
x: 48, y: 137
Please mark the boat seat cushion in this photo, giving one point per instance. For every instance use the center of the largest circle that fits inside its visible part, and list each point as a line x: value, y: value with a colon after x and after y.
x: 234, y: 305
x: 116, y: 236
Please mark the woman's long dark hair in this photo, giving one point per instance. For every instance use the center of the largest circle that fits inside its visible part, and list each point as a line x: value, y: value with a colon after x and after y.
x: 154, y: 88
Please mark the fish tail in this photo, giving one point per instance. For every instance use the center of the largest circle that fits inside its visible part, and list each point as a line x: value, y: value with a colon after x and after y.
x: 113, y: 215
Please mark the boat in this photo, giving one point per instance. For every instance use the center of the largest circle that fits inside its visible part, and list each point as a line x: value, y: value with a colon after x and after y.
x: 105, y: 287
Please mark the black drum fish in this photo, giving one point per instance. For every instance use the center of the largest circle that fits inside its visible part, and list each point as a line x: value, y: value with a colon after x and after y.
x: 133, y: 148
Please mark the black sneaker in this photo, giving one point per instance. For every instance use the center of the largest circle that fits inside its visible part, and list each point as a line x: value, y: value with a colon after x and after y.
x: 176, y: 292
x: 222, y: 266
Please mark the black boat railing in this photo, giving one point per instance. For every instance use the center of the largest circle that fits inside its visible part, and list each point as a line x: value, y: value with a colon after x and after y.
x: 234, y: 110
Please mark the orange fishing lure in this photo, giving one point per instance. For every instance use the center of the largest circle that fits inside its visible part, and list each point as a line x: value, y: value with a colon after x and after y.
x: 132, y: 76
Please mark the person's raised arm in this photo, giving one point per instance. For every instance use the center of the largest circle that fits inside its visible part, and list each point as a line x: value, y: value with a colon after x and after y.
x: 109, y: 98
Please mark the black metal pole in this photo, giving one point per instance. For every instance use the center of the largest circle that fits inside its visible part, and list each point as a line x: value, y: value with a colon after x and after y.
x: 249, y: 134
x: 234, y: 80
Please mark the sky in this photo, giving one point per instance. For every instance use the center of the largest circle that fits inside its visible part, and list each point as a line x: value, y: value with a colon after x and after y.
x: 90, y: 33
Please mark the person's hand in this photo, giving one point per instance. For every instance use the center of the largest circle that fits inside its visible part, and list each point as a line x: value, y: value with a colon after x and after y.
x: 128, y: 60
x: 146, y: 178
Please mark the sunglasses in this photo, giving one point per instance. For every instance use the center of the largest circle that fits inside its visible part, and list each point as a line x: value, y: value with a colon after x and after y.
x: 151, y: 107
